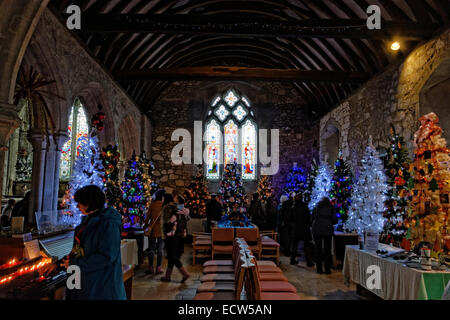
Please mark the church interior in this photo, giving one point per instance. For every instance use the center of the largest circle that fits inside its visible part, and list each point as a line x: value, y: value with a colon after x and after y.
x: 242, y: 150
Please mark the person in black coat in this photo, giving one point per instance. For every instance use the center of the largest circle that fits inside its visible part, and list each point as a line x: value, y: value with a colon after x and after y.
x: 323, y: 219
x: 301, y: 221
x: 256, y: 212
x: 213, y: 212
x: 284, y: 227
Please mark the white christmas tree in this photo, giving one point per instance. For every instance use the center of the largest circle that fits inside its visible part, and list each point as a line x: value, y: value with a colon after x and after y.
x: 87, y: 170
x: 322, y: 185
x: 369, y: 195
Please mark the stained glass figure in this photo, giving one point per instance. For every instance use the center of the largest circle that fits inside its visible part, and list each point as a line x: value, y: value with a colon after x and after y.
x: 78, y: 130
x: 248, y: 150
x: 213, y: 135
x: 231, y: 142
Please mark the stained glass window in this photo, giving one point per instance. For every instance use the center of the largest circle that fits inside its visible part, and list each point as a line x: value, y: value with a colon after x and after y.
x: 222, y: 113
x: 78, y: 130
x: 248, y: 150
x: 239, y: 113
x: 227, y: 112
x: 231, y: 142
x: 213, y: 135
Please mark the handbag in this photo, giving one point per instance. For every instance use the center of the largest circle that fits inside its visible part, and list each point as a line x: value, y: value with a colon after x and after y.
x: 149, y: 229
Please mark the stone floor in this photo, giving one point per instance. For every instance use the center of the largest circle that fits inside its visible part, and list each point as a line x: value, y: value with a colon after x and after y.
x: 309, y: 284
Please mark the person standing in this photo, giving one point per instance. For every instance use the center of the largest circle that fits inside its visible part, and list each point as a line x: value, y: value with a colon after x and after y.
x: 323, y: 218
x: 213, y: 212
x: 285, y: 227
x: 271, y: 213
x: 181, y: 232
x: 7, y: 213
x: 96, y: 249
x: 152, y: 227
x: 170, y: 225
x: 256, y: 212
x: 300, y: 220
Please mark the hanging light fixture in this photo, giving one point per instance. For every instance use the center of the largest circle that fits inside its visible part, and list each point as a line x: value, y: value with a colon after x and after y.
x: 395, y: 46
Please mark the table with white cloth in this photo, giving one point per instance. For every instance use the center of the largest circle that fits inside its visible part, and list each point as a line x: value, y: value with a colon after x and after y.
x: 129, y: 252
x: 398, y: 281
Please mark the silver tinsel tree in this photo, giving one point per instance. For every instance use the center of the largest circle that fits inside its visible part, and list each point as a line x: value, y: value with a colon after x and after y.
x: 369, y: 195
x: 322, y: 185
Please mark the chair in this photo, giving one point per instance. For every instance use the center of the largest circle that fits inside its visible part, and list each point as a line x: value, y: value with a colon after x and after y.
x: 201, y: 243
x: 225, y: 290
x: 222, y: 241
x: 257, y: 289
x: 251, y: 236
x: 270, y: 248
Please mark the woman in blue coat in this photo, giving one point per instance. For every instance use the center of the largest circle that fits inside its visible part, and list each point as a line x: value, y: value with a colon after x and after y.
x: 96, y: 248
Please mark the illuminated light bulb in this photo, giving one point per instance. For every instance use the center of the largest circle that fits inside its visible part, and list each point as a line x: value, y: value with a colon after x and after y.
x: 395, y: 46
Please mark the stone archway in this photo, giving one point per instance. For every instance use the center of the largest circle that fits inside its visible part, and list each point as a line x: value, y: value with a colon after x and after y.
x: 435, y: 96
x: 94, y: 99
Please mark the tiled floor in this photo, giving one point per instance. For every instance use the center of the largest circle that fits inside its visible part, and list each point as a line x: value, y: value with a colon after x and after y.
x: 309, y: 284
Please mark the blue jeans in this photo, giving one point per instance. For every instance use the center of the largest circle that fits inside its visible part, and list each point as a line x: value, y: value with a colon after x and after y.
x: 155, y: 244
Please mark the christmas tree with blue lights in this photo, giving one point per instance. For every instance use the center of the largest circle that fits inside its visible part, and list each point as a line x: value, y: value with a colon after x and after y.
x: 341, y: 188
x: 87, y: 170
x: 110, y: 157
x: 135, y: 194
x: 322, y: 185
x: 310, y: 181
x: 296, y: 180
x: 231, y: 188
x: 369, y: 195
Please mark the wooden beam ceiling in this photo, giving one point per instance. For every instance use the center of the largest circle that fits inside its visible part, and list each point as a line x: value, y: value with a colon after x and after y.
x: 235, y: 26
x: 241, y: 73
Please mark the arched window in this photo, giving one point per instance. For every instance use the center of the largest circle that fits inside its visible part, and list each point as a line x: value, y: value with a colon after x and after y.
x: 231, y: 115
x: 78, y: 128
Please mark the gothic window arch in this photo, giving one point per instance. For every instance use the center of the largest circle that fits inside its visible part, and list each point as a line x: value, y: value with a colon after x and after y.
x: 231, y: 135
x: 78, y: 129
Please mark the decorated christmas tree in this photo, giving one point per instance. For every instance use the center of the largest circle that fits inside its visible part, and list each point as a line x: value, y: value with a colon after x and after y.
x: 230, y: 188
x: 110, y: 157
x: 147, y: 175
x: 196, y: 194
x: 397, y: 165
x: 369, y: 195
x: 322, y: 185
x: 296, y: 180
x: 429, y: 206
x: 87, y: 170
x: 310, y: 180
x: 341, y: 187
x: 264, y: 188
x: 134, y: 198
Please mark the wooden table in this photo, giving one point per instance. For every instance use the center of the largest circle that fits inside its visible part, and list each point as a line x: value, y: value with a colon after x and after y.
x: 128, y: 273
x: 398, y: 281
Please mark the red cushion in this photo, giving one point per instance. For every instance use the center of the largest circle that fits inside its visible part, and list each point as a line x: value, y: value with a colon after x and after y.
x: 217, y: 277
x: 265, y: 263
x: 277, y: 286
x: 218, y: 263
x: 267, y: 243
x: 267, y: 276
x: 218, y: 269
x: 268, y: 268
x: 202, y: 242
x: 279, y: 296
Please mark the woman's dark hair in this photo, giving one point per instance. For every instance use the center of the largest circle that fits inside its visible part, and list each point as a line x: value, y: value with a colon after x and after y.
x: 91, y: 196
x: 159, y: 194
x: 180, y: 200
x: 256, y: 196
x: 168, y: 198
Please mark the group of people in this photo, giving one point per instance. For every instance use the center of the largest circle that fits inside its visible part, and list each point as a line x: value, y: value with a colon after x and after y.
x: 260, y: 210
x: 296, y: 224
x: 166, y: 226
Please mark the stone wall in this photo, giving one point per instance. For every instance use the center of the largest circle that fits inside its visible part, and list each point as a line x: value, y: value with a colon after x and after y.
x: 276, y: 106
x: 392, y: 97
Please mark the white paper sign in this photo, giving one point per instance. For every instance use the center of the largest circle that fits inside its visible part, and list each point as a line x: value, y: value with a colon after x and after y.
x: 32, y: 249
x: 372, y: 241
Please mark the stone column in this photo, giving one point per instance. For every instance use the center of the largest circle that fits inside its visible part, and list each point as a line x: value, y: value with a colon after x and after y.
x: 9, y: 121
x: 39, y: 142
x: 60, y: 139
